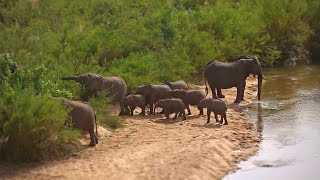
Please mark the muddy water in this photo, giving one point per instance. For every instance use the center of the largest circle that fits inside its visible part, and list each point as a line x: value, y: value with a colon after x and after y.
x: 289, y: 119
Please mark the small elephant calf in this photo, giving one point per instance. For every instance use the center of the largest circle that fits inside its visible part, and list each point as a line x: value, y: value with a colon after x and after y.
x: 188, y: 97
x: 172, y: 106
x: 217, y: 106
x: 133, y: 101
x: 83, y: 117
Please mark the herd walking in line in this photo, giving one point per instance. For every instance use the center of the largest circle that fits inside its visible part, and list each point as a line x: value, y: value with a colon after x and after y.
x: 172, y: 97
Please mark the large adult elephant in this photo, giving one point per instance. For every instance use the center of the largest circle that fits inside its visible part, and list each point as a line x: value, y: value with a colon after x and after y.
x: 220, y: 75
x: 153, y: 93
x: 115, y: 86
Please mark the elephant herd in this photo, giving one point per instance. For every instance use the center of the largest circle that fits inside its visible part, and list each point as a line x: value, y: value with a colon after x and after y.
x: 172, y: 97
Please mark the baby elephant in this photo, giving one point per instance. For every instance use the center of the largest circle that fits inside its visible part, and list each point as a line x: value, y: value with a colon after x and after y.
x: 217, y: 106
x: 133, y: 101
x: 188, y: 97
x: 170, y: 106
x: 84, y: 118
x: 176, y: 85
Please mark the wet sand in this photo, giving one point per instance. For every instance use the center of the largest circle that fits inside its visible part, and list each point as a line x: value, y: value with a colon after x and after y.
x: 152, y: 147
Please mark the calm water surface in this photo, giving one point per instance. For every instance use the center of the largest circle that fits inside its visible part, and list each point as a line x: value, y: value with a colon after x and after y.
x: 289, y: 119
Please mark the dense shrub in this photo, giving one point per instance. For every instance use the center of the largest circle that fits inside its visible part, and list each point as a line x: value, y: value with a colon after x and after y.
x: 31, y: 126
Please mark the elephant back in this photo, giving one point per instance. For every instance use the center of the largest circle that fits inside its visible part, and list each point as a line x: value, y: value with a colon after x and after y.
x: 82, y: 116
x: 161, y: 91
x: 218, y: 105
x: 179, y: 85
x: 115, y: 87
x: 194, y: 97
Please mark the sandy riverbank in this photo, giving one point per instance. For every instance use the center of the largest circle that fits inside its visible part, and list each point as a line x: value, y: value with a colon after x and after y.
x: 151, y: 147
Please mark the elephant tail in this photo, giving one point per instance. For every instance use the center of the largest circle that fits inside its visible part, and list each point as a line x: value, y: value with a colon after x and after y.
x: 95, y: 121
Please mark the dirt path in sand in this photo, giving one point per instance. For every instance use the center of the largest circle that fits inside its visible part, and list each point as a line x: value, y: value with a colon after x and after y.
x: 153, y: 148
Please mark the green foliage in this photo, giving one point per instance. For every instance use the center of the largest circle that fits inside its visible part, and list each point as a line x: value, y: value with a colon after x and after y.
x: 113, y: 122
x: 31, y: 126
x: 101, y: 105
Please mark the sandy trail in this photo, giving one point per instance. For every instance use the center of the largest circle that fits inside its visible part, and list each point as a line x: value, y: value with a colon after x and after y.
x: 151, y: 147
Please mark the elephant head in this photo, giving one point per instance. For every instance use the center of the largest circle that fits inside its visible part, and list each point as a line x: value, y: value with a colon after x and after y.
x: 253, y: 66
x: 161, y: 103
x: 90, y: 81
x: 168, y: 83
x: 146, y: 90
x: 129, y: 100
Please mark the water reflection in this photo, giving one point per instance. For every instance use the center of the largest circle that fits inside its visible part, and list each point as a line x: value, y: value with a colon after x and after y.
x: 259, y: 123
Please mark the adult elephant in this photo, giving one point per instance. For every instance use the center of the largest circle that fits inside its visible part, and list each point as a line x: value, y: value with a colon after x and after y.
x: 114, y: 86
x: 153, y: 93
x: 220, y: 75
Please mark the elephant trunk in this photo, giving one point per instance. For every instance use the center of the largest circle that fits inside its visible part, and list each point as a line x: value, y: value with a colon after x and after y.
x: 70, y: 78
x: 260, y: 78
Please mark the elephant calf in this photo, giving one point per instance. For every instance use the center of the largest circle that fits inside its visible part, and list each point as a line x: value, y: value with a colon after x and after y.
x: 84, y: 118
x: 188, y: 97
x: 153, y: 93
x: 217, y: 106
x: 133, y: 101
x: 170, y: 106
x: 177, y: 85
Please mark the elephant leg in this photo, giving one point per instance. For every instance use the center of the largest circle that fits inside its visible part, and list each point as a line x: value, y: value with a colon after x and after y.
x: 208, y: 116
x: 166, y: 114
x: 184, y: 115
x: 131, y: 110
x: 152, y: 110
x: 143, y: 109
x: 201, y: 112
x: 93, y: 141
x: 220, y: 95
x: 188, y: 109
x: 221, y: 119
x: 239, y: 91
x: 225, y: 119
x: 213, y: 90
x: 95, y: 136
x: 242, y: 92
x: 122, y: 108
x: 216, y: 117
x: 175, y: 116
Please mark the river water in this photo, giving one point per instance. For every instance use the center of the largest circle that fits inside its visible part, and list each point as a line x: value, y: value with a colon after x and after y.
x: 288, y: 116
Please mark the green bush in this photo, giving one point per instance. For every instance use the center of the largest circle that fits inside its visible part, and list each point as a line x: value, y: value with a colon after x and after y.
x: 100, y: 105
x: 32, y: 126
x: 31, y: 121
